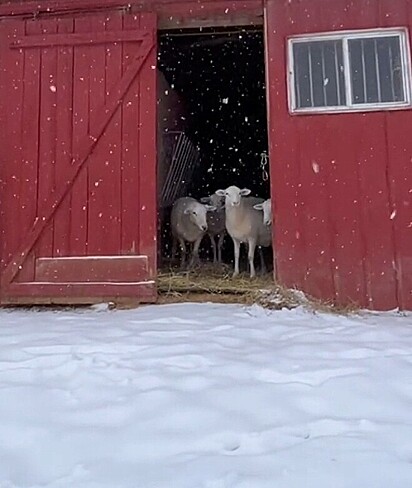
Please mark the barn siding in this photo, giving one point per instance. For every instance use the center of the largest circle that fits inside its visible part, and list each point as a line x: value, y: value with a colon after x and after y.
x: 66, y: 106
x: 335, y: 238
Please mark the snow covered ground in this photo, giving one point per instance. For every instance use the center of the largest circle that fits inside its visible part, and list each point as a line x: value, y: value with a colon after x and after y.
x: 205, y: 396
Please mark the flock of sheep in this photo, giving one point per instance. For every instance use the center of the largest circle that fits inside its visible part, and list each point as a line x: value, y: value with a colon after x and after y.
x: 230, y: 210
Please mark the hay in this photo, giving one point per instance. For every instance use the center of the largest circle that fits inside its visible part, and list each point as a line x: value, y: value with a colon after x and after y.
x: 209, y: 280
x: 215, y: 284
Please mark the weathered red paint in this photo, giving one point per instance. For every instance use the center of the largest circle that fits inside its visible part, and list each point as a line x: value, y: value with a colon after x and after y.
x: 335, y: 237
x: 115, y: 269
x: 170, y: 13
x: 67, y: 127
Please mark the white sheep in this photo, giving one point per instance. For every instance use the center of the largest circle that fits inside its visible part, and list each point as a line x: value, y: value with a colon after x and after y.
x: 189, y: 224
x: 216, y: 225
x: 244, y: 224
x: 266, y: 207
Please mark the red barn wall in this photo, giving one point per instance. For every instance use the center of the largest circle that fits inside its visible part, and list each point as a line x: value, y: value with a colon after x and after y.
x: 78, y: 157
x: 343, y: 232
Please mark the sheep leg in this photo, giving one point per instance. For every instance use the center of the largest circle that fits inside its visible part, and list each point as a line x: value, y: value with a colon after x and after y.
x: 212, y: 240
x: 174, y: 249
x: 219, y: 247
x: 195, y: 252
x: 262, y: 261
x: 236, y: 245
x: 251, y: 256
x: 183, y: 250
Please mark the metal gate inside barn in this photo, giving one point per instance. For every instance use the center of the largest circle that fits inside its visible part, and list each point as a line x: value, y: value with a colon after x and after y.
x: 78, y: 158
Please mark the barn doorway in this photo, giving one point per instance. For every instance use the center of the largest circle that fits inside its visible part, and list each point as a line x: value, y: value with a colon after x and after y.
x: 212, y: 122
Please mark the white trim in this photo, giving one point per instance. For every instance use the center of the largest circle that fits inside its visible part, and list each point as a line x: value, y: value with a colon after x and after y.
x: 345, y: 36
x: 346, y: 72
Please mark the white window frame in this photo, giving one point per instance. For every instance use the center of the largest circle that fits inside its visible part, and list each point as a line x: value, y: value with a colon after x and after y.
x: 345, y: 37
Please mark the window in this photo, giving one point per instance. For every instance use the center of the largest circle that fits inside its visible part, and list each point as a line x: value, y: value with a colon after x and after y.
x: 364, y: 70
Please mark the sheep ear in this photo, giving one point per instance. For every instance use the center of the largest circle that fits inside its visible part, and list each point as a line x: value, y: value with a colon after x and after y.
x: 205, y: 199
x: 221, y: 193
x: 258, y: 206
x: 245, y: 192
x: 187, y: 211
x: 210, y: 208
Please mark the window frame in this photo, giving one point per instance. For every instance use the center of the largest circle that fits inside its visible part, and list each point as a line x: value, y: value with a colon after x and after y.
x: 401, y: 32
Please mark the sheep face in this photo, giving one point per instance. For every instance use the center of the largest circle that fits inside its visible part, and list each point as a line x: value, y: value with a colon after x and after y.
x: 266, y: 207
x: 214, y: 200
x: 233, y: 195
x: 197, y: 214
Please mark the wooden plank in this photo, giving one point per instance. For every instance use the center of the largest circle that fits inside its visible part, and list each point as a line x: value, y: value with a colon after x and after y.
x: 162, y: 7
x: 115, y: 99
x: 400, y: 213
x: 30, y: 146
x: 209, y: 14
x: 130, y: 198
x: 12, y: 216
x: 131, y: 301
x: 148, y: 151
x: 92, y: 269
x: 4, y: 83
x: 289, y: 244
x: 104, y: 167
x: 313, y: 205
x: 73, y: 293
x: 376, y: 230
x: 84, y: 148
x: 399, y: 173
x: 16, y: 120
x: 64, y: 135
x: 78, y: 195
x: 12, y: 64
x: 344, y: 210
x: 112, y: 172
x: 76, y: 39
x: 11, y: 7
x: 98, y: 227
x: 47, y: 136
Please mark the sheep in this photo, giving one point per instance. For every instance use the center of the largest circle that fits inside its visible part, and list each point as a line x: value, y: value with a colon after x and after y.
x: 188, y: 222
x: 266, y: 207
x: 244, y: 224
x: 216, y: 225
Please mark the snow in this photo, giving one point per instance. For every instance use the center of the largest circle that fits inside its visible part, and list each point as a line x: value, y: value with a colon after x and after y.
x: 205, y: 396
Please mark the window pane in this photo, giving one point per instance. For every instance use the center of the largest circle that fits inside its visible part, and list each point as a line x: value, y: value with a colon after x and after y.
x: 319, y: 74
x: 376, y: 70
x: 315, y: 52
x: 302, y: 75
x: 334, y: 73
x: 390, y: 69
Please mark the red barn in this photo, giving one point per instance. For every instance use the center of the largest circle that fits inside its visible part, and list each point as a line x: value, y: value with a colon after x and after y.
x: 78, y: 153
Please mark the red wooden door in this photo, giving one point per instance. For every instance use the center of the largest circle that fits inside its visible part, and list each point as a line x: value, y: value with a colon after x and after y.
x: 78, y: 158
x: 340, y: 182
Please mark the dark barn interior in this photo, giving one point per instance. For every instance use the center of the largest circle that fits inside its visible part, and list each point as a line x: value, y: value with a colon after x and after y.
x: 219, y: 76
